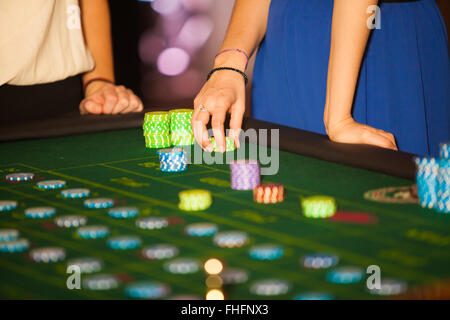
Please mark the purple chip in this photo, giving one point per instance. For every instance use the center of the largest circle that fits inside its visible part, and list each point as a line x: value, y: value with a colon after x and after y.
x: 245, y: 174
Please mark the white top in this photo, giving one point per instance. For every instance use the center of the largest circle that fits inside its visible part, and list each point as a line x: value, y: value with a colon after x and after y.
x: 41, y: 41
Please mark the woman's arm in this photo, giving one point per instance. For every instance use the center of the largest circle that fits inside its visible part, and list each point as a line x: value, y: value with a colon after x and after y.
x: 349, y: 37
x: 225, y: 91
x: 102, y: 97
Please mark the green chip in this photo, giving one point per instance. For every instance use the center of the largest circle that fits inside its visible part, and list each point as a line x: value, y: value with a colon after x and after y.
x: 195, y: 200
x: 230, y: 146
x: 156, y: 127
x: 182, y: 139
x: 318, y: 206
x: 157, y: 141
x: 181, y: 114
x: 157, y: 116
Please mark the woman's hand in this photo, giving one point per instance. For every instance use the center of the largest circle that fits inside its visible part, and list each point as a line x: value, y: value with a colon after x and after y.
x: 106, y: 98
x: 350, y: 131
x: 224, y: 92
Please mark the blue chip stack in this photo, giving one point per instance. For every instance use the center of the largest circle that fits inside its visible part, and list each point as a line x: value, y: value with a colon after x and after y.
x: 172, y: 160
x: 433, y: 181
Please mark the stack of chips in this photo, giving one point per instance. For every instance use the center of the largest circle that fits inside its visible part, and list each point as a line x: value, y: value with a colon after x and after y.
x: 229, y: 142
x: 157, y: 129
x: 195, y: 200
x: 433, y: 181
x: 318, y: 206
x: 245, y: 174
x: 181, y: 133
x: 268, y: 193
x: 172, y: 160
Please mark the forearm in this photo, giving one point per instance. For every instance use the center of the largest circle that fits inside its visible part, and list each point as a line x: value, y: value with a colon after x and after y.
x: 97, y: 32
x: 349, y: 37
x: 247, y: 28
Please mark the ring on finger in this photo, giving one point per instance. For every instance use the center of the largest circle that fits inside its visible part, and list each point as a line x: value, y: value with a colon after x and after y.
x: 202, y: 108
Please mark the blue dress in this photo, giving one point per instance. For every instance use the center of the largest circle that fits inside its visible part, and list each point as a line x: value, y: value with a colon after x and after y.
x: 403, y: 87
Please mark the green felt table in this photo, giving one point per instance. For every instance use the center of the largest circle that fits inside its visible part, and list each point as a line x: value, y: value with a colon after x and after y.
x: 407, y: 242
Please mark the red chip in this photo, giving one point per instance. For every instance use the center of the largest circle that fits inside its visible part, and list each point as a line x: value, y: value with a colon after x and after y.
x: 268, y: 193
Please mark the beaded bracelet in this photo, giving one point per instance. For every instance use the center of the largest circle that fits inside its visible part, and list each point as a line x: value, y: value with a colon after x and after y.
x: 227, y: 68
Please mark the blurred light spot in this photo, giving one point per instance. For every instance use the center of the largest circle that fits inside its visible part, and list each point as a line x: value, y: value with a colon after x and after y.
x: 196, y: 31
x: 173, y: 61
x: 150, y: 46
x: 197, y: 5
x: 166, y: 7
x: 215, y: 295
x: 213, y: 266
x: 214, y: 282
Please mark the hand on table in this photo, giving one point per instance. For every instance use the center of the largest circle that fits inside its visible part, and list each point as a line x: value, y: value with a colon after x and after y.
x: 107, y: 98
x: 350, y: 131
x: 224, y: 92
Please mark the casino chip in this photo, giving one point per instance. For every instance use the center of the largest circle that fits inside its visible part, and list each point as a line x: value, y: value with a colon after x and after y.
x: 93, y: 232
x: 123, y: 212
x: 147, y: 290
x: 426, y: 177
x: 318, y: 206
x: 314, y: 296
x: 40, y: 212
x: 48, y: 254
x: 268, y: 193
x: 160, y: 252
x: 152, y: 223
x: 99, y: 203
x: 182, y: 266
x: 51, y: 184
x: 319, y: 261
x: 195, y: 200
x: 229, y: 144
x: 18, y: 245
x: 345, y: 275
x: 75, y: 193
x: 7, y: 205
x: 445, y: 150
x: 230, y: 239
x: 266, y: 252
x: 86, y: 265
x: 180, y: 126
x: 100, y: 282
x: 201, y: 229
x: 172, y: 160
x: 16, y: 177
x: 8, y: 234
x: 245, y: 174
x: 271, y: 287
x: 443, y: 187
x: 124, y: 242
x: 389, y: 287
x: 70, y: 221
x: 233, y: 276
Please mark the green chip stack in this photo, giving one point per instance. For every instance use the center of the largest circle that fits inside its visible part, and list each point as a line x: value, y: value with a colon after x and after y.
x: 157, y: 129
x: 181, y: 133
x: 230, y: 146
x: 318, y: 207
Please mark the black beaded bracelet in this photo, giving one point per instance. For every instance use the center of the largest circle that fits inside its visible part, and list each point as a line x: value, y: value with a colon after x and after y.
x: 227, y: 68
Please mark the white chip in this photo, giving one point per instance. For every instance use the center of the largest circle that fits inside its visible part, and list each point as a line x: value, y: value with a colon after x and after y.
x: 40, y: 212
x: 100, y: 282
x: 70, y: 221
x: 99, y: 203
x: 75, y: 193
x: 230, y: 239
x: 48, y: 254
x: 20, y: 176
x: 7, y: 205
x: 51, y: 184
x: 271, y: 287
x: 86, y: 265
x: 182, y: 266
x: 160, y: 251
x: 8, y: 234
x: 152, y: 223
x: 233, y: 276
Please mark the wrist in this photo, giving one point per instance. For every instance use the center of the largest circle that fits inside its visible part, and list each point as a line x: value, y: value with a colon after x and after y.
x: 231, y: 59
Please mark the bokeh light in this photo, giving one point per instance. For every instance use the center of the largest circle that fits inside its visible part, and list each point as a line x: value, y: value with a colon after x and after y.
x: 150, y: 45
x: 213, y: 266
x: 197, y: 5
x: 214, y: 282
x: 215, y: 294
x: 195, y: 32
x: 173, y: 61
x: 166, y: 7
